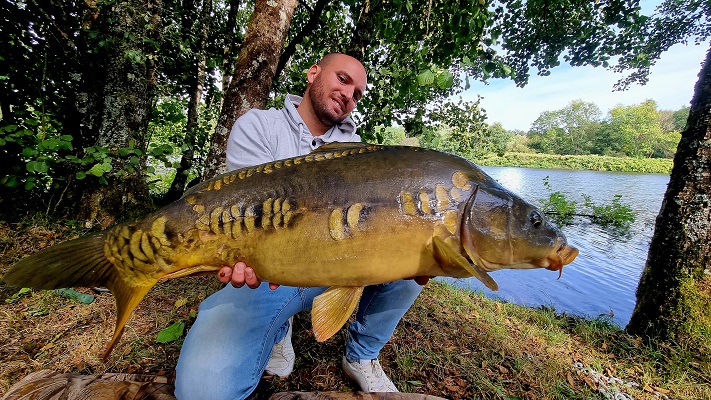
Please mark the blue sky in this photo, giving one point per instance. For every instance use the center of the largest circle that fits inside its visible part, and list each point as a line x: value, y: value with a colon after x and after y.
x: 671, y: 85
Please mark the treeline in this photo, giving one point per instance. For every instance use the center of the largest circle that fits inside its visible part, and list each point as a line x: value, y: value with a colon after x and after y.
x: 639, y: 131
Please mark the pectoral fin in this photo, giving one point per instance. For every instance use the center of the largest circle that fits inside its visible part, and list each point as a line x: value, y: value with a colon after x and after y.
x: 452, y: 262
x: 332, y: 308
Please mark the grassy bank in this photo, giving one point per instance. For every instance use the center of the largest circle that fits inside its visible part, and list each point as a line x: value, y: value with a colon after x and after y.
x: 452, y: 343
x: 586, y: 162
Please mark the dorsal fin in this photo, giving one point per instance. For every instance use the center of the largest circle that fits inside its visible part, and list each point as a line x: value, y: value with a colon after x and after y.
x: 335, y: 146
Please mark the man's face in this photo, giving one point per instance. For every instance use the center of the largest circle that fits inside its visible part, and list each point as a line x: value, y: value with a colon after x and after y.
x: 336, y: 87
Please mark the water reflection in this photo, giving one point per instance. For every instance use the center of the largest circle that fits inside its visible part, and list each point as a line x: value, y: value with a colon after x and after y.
x: 604, y: 277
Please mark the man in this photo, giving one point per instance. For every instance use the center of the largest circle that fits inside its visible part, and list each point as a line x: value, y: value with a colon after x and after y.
x: 241, y: 333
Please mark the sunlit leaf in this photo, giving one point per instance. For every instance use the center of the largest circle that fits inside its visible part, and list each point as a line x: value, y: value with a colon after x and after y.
x: 171, y: 333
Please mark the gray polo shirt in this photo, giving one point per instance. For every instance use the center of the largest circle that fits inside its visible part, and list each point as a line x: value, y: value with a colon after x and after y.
x: 261, y: 136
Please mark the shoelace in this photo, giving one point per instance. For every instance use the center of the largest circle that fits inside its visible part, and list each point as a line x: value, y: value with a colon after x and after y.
x: 374, y: 374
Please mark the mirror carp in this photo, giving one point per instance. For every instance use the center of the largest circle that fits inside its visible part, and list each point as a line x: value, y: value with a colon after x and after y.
x: 345, y: 216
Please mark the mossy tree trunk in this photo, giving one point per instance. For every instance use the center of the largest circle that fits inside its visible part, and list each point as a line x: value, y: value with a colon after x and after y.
x: 254, y: 73
x: 668, y: 295
x: 124, y: 73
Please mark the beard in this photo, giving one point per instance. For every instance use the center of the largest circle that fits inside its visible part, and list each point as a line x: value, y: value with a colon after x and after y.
x: 320, y: 100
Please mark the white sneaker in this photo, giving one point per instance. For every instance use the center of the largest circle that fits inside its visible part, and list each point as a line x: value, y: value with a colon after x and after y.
x: 369, y: 375
x: 281, y: 362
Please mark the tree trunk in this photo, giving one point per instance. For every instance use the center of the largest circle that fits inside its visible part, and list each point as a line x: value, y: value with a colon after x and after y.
x: 233, y: 41
x: 306, y: 30
x: 363, y: 30
x: 252, y: 80
x: 128, y: 90
x: 680, y: 251
x: 177, y: 187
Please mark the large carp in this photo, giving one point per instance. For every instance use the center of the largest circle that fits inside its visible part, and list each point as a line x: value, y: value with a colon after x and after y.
x: 345, y: 216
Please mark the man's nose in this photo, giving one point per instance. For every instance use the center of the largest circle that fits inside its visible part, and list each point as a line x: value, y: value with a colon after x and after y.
x: 347, y: 95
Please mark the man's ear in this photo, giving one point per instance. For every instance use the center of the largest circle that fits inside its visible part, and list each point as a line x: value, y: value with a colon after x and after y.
x: 312, y: 72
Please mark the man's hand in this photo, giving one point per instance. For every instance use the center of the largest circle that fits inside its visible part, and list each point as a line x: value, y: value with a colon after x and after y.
x: 239, y: 274
x: 422, y: 280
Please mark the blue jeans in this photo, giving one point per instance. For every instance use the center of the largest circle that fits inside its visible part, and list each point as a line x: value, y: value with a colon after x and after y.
x: 228, y: 346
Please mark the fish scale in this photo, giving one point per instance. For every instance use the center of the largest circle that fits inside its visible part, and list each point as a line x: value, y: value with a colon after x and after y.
x: 344, y: 216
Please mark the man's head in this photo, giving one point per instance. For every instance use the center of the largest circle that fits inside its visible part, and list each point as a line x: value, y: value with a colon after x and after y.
x: 335, y: 85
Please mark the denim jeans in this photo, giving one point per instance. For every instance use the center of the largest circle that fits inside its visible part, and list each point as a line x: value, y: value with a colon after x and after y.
x: 227, y: 349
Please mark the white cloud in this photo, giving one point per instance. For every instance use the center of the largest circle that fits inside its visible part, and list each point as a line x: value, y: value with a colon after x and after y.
x: 671, y: 85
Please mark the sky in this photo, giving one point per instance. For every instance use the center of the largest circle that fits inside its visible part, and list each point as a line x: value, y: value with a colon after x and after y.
x: 671, y: 85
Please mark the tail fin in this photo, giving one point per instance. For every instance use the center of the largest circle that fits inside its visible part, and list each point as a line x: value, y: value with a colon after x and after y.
x: 77, y: 262
x: 81, y: 262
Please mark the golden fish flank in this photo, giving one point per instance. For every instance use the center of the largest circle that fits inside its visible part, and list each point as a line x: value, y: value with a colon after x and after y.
x: 424, y: 202
x: 407, y: 203
x: 446, y: 199
x: 353, y: 216
x: 342, y: 225
x: 451, y: 221
x: 335, y: 224
x: 275, y: 213
x: 442, y: 196
x: 137, y: 250
x: 460, y: 180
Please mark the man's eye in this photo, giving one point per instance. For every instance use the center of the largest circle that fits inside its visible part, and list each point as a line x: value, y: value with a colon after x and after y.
x: 341, y: 78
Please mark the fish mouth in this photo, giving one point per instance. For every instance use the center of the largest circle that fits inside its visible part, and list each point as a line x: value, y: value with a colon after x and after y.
x: 555, y: 261
x: 564, y: 255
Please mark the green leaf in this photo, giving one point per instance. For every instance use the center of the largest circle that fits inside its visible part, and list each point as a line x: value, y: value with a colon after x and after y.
x: 425, y: 78
x: 171, y: 333
x: 28, y: 152
x: 445, y: 80
x: 96, y: 170
x: 74, y: 295
x: 17, y: 295
x: 81, y: 175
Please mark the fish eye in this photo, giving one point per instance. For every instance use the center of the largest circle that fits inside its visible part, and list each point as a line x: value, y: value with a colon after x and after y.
x: 536, y: 218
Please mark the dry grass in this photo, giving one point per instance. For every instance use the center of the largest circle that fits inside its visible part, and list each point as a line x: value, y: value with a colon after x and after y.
x: 452, y: 343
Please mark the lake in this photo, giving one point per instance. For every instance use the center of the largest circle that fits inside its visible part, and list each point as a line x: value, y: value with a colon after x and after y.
x: 603, y: 278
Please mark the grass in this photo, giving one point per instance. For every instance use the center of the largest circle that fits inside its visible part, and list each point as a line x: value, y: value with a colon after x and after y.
x: 453, y: 343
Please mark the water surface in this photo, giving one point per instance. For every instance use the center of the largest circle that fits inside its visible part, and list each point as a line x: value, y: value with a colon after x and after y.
x: 603, y: 278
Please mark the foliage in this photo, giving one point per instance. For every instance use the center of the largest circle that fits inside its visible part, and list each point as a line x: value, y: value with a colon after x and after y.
x: 558, y: 206
x: 562, y: 210
x: 674, y: 21
x: 586, y: 162
x: 538, y: 35
x: 569, y: 130
x: 460, y: 129
x: 615, y: 213
x: 635, y: 131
